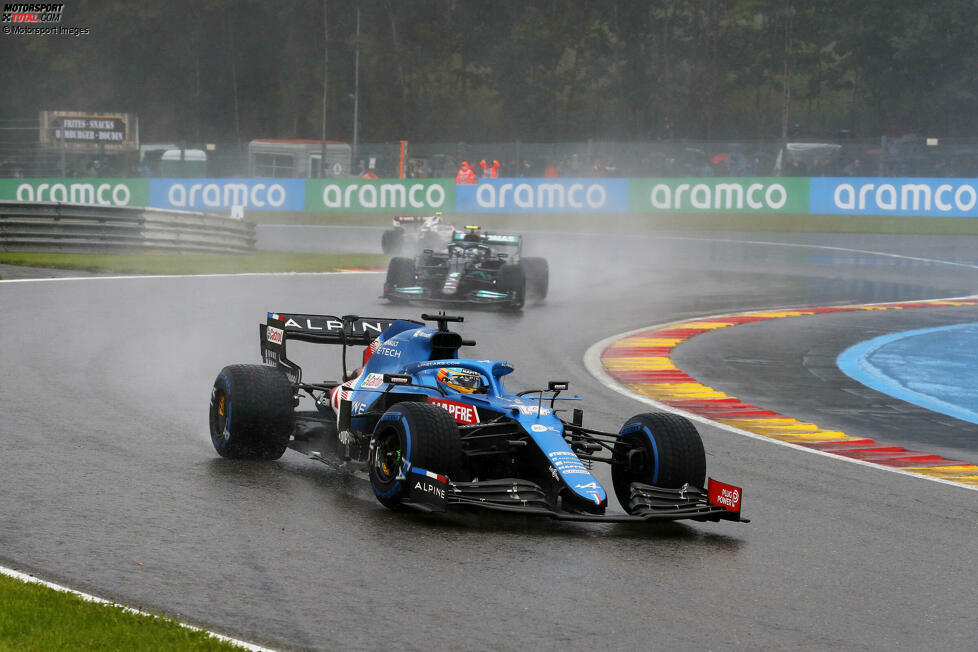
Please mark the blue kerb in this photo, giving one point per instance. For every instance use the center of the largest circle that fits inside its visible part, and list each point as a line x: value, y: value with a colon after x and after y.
x: 855, y: 363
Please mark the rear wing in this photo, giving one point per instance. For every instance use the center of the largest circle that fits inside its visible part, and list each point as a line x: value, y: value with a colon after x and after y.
x: 349, y: 330
x: 502, y: 239
x: 491, y: 238
x: 401, y: 220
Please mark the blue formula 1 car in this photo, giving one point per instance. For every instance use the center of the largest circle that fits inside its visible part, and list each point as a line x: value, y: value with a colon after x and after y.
x: 434, y: 432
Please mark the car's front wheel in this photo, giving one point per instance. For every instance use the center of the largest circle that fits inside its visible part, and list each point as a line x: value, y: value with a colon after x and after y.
x: 657, y: 448
x: 537, y: 272
x: 513, y: 282
x: 411, y: 435
x: 252, y: 412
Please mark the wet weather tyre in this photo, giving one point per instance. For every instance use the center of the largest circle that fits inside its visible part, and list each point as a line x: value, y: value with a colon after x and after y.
x: 513, y: 282
x: 537, y: 272
x: 400, y: 273
x: 422, y: 435
x: 391, y: 241
x: 251, y: 412
x: 657, y: 448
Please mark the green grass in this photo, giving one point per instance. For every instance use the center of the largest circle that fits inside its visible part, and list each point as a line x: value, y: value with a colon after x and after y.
x: 34, y: 617
x: 170, y: 263
x: 654, y: 222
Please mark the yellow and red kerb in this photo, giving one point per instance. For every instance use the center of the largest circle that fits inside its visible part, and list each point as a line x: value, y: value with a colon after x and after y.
x: 642, y: 363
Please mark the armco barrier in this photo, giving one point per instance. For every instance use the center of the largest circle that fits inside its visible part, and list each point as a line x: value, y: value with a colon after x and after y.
x: 88, y: 228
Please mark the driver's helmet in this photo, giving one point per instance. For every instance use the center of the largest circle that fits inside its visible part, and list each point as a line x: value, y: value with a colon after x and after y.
x: 473, y: 234
x: 461, y: 380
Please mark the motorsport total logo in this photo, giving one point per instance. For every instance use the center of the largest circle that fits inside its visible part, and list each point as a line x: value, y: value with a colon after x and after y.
x: 18, y: 12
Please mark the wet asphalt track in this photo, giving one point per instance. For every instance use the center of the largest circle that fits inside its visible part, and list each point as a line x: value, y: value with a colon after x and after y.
x: 109, y: 482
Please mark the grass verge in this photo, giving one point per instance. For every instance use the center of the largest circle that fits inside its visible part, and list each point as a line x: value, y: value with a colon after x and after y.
x: 171, y: 263
x: 35, y: 617
x: 653, y: 222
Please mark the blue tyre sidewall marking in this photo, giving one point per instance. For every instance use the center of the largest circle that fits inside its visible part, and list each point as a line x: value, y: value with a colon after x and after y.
x: 405, y: 464
x: 655, y: 454
x: 629, y: 428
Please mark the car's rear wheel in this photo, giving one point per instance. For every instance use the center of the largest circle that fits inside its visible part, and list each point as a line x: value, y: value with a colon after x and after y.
x: 537, y: 272
x: 513, y: 282
x: 251, y: 412
x: 660, y: 449
x: 411, y: 434
x: 392, y: 240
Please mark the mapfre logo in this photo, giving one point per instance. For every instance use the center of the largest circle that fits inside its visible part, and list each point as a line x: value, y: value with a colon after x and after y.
x: 461, y: 412
x: 16, y: 12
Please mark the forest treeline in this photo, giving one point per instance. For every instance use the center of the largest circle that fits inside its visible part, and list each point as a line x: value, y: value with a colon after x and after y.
x: 531, y: 70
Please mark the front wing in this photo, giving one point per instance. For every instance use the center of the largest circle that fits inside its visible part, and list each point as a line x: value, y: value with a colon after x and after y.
x: 420, y: 294
x: 648, y: 503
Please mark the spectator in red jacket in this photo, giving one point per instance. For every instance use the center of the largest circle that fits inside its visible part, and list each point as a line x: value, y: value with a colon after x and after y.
x: 466, y: 175
x: 370, y: 174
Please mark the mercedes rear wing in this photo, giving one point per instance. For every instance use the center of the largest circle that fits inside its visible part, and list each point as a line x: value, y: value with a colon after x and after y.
x: 491, y: 238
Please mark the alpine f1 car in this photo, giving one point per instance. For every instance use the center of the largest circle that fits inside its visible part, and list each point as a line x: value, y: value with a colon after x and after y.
x: 434, y: 432
x: 476, y: 267
x: 414, y: 233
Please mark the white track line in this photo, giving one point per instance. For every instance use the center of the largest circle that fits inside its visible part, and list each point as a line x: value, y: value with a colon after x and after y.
x: 138, y: 276
x: 592, y: 361
x: 9, y: 572
x: 800, y: 245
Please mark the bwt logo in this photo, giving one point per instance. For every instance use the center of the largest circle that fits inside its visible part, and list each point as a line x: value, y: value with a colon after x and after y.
x: 543, y: 195
x: 213, y: 195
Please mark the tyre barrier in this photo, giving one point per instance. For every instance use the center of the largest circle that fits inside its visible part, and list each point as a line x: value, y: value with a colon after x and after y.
x: 93, y: 228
